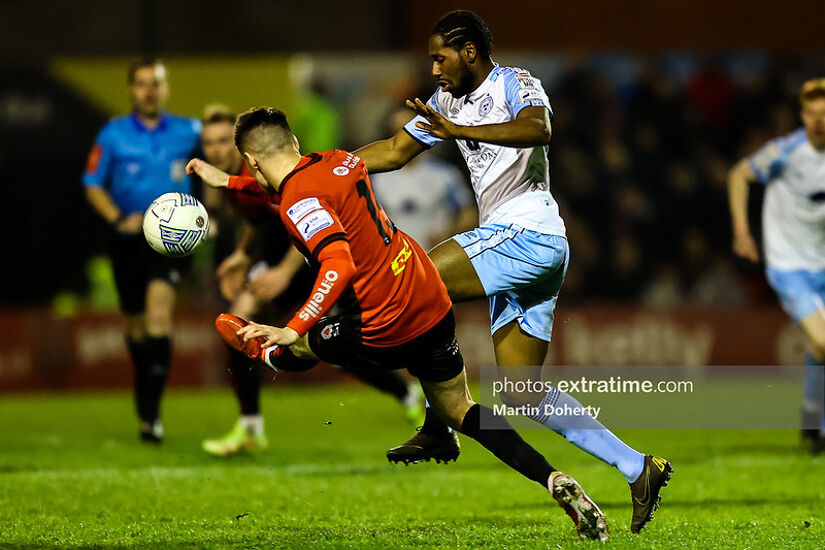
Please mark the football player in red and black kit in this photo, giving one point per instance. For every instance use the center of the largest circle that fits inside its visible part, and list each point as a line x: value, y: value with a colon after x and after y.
x: 394, y: 309
x: 264, y: 276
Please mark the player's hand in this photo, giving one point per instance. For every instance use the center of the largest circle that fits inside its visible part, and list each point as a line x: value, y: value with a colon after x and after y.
x: 131, y: 224
x: 745, y: 247
x: 232, y: 274
x: 269, y: 284
x: 438, y: 125
x: 208, y: 173
x: 274, y: 336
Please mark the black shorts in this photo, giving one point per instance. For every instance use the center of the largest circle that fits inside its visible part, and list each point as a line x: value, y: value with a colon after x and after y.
x: 135, y: 264
x: 434, y: 356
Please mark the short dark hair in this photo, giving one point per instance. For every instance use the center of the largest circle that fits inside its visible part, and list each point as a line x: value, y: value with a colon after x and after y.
x: 461, y: 26
x: 257, y: 117
x: 141, y: 62
x: 812, y: 89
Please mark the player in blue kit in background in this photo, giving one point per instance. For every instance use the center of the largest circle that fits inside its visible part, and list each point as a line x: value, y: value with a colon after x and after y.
x: 135, y: 159
x: 500, y: 119
x: 793, y: 227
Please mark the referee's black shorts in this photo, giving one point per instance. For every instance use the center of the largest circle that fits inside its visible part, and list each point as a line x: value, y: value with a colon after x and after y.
x: 135, y: 264
x: 434, y: 356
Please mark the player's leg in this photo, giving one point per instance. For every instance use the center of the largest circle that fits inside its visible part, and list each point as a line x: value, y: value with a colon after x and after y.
x: 440, y: 368
x: 131, y: 279
x: 160, y: 298
x: 813, y: 405
x: 802, y: 295
x: 457, y: 271
x: 245, y: 377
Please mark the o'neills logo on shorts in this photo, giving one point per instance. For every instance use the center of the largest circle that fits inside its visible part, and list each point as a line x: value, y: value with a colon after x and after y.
x: 313, y: 307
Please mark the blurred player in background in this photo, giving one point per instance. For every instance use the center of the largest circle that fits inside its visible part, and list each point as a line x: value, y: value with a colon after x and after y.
x: 263, y: 279
x: 500, y: 120
x: 134, y: 159
x: 394, y: 310
x: 428, y: 198
x: 793, y: 226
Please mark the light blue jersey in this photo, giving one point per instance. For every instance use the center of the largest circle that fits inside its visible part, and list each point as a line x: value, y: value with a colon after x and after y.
x: 136, y: 164
x: 511, y: 184
x: 519, y: 252
x: 793, y: 214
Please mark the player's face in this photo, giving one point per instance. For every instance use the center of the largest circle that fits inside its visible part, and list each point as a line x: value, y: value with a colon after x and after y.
x: 450, y: 69
x: 218, y: 146
x: 149, y: 90
x: 813, y: 117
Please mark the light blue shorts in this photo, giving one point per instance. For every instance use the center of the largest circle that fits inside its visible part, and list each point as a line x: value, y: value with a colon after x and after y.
x: 521, y: 271
x: 801, y: 292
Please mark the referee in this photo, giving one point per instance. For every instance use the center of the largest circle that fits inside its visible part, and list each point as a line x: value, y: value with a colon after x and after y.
x: 134, y: 159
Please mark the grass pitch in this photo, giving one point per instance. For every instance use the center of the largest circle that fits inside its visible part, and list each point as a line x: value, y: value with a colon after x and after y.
x: 73, y: 474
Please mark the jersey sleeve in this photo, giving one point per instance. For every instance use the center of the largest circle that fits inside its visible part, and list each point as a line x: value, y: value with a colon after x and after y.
x: 769, y: 161
x: 312, y: 221
x: 521, y: 89
x: 100, y: 160
x: 424, y: 137
x: 245, y: 184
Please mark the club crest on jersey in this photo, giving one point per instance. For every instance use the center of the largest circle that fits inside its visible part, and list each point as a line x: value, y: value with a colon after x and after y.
x: 340, y: 170
x: 330, y: 331
x: 485, y: 107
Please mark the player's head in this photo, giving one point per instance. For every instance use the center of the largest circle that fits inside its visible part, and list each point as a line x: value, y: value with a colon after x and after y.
x: 263, y: 136
x: 460, y: 46
x: 812, y: 100
x: 217, y: 140
x: 148, y: 86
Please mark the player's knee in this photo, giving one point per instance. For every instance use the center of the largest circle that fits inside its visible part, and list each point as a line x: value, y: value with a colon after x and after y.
x: 158, y: 323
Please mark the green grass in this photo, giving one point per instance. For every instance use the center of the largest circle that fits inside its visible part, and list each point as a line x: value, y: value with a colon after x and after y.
x: 72, y: 474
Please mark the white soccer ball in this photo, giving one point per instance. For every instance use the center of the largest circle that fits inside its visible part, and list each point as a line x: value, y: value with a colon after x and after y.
x: 175, y: 224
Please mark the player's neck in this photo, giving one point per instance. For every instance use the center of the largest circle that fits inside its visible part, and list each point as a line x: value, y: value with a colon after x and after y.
x: 481, y: 72
x: 281, y: 166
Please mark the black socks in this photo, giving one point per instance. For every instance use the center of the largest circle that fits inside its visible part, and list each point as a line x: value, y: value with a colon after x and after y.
x: 246, y: 381
x: 499, y: 437
x: 151, y: 359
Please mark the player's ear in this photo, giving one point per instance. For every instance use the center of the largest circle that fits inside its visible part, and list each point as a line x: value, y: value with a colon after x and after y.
x: 469, y: 51
x: 296, y: 143
x: 251, y: 161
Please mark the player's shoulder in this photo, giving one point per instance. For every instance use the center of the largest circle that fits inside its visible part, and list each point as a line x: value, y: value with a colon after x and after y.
x: 317, y: 173
x: 514, y: 75
x: 789, y: 142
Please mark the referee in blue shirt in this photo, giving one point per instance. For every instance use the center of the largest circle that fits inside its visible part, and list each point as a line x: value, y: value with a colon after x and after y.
x: 134, y: 159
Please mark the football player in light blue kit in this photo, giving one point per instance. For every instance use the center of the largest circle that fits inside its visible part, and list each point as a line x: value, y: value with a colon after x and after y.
x: 135, y: 159
x: 793, y: 226
x: 518, y: 256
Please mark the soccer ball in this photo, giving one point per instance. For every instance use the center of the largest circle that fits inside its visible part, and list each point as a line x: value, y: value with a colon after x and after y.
x: 175, y: 224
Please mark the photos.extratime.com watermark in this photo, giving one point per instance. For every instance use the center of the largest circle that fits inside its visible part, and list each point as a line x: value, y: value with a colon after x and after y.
x: 614, y: 384
x: 663, y: 397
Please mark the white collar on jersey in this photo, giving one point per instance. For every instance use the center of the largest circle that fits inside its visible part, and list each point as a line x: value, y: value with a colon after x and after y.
x: 479, y: 92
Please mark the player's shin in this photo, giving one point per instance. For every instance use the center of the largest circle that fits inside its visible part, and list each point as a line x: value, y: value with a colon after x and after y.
x: 496, y: 434
x: 558, y: 411
x: 157, y: 355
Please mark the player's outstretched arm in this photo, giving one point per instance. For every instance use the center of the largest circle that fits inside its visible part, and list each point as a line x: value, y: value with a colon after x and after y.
x: 207, y: 173
x: 390, y: 154
x: 740, y: 176
x: 529, y: 129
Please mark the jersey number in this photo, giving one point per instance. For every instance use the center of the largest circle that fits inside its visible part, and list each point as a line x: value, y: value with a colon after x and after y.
x: 364, y: 191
